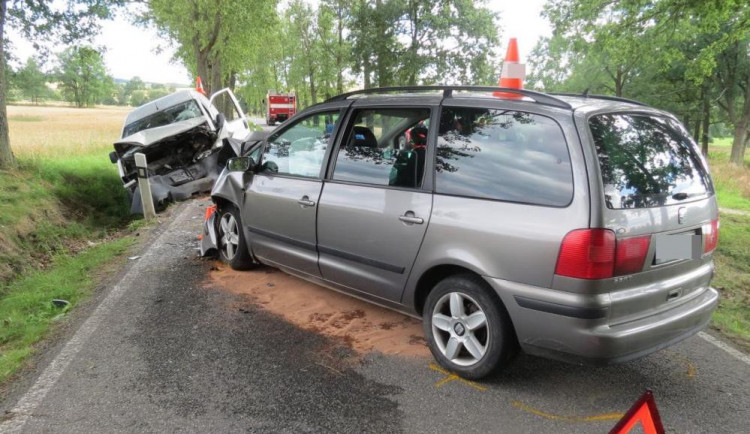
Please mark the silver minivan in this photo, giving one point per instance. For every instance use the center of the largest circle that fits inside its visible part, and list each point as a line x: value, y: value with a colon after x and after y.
x: 576, y: 227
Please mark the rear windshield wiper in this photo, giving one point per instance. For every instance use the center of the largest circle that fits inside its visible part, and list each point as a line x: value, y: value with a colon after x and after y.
x: 680, y: 196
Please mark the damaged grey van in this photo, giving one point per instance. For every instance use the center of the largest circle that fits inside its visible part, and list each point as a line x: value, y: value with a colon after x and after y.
x: 183, y: 136
x: 576, y: 227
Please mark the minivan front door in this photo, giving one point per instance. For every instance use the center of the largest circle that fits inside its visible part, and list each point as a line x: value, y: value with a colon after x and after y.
x: 373, y: 213
x: 281, y: 202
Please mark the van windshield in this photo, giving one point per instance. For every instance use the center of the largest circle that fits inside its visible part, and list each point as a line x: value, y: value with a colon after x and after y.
x: 647, y: 161
x: 176, y: 113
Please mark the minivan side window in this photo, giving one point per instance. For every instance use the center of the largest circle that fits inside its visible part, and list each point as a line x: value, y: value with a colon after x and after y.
x: 300, y: 149
x: 503, y: 155
x: 384, y: 146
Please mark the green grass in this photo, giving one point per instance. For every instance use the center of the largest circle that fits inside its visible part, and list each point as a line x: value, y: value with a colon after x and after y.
x: 64, y: 217
x: 26, y: 311
x: 733, y: 279
x: 732, y: 183
x: 26, y: 118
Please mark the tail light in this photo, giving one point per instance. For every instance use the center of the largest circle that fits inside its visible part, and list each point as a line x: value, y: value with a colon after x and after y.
x: 630, y: 255
x: 710, y: 236
x: 597, y: 254
x: 587, y: 254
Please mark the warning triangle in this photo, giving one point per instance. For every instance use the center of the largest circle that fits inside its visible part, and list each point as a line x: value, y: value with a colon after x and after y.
x: 644, y: 411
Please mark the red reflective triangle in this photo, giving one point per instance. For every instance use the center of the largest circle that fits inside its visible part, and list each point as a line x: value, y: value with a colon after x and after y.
x: 644, y: 411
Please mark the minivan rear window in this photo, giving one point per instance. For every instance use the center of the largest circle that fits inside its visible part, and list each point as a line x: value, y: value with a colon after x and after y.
x: 647, y: 161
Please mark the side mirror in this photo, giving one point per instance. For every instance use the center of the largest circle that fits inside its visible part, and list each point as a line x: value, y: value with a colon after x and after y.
x: 220, y: 121
x: 113, y: 157
x: 240, y: 164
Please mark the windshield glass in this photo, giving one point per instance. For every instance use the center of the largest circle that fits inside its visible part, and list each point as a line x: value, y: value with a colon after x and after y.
x: 176, y: 113
x: 647, y: 161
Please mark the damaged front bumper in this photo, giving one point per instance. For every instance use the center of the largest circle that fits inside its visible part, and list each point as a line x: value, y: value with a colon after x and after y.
x: 209, y: 242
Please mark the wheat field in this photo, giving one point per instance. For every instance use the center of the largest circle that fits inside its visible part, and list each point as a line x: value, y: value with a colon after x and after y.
x: 63, y: 131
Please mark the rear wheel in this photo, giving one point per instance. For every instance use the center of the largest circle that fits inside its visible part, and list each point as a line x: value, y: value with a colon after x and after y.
x: 233, y: 249
x: 468, y: 330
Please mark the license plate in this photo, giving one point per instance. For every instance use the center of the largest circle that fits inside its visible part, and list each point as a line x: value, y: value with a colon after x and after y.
x: 678, y: 246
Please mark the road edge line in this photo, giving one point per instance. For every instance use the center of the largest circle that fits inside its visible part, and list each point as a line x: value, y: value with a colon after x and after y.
x: 28, y: 403
x: 739, y: 355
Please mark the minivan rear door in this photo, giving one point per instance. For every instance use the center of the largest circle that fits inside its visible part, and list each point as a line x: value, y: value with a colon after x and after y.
x: 373, y: 211
x: 654, y: 186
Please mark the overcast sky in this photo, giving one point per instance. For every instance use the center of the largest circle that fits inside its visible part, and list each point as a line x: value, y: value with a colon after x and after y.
x: 131, y: 51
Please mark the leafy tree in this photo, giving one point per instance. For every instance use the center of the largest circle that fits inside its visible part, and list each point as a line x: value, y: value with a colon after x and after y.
x: 41, y: 20
x: 138, y: 98
x: 681, y: 45
x: 83, y: 76
x: 31, y: 81
x: 213, y: 37
x: 131, y: 86
x: 158, y: 92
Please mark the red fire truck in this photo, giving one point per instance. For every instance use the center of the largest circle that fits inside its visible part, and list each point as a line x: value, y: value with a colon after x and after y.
x: 280, y: 107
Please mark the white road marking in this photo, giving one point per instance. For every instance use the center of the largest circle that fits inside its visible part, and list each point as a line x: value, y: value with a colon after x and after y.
x: 29, y: 402
x: 737, y: 354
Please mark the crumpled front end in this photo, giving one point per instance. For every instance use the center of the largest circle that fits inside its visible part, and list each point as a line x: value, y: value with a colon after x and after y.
x: 209, y: 242
x: 183, y: 160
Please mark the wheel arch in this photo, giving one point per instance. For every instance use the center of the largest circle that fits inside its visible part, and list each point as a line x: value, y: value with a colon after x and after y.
x: 435, y: 274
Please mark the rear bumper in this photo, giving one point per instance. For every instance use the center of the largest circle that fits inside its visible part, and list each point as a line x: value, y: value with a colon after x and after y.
x: 574, y: 327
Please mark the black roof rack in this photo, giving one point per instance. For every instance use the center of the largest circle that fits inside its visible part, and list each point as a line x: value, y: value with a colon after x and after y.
x: 605, y: 97
x: 538, y: 97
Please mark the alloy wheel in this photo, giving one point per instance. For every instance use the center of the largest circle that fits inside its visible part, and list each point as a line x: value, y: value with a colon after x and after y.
x: 230, y: 236
x: 460, y: 329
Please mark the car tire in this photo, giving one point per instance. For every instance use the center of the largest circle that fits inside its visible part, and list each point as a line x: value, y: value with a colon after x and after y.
x: 232, y: 246
x: 458, y: 338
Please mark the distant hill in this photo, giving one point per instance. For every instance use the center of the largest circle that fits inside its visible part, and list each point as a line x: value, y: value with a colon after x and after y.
x: 152, y: 84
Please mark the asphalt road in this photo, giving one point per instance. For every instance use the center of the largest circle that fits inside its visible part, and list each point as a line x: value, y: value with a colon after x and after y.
x: 157, y: 352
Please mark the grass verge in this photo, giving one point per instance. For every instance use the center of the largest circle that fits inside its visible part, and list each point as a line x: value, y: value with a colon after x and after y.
x: 733, y: 279
x: 64, y: 217
x: 26, y: 311
x: 732, y: 183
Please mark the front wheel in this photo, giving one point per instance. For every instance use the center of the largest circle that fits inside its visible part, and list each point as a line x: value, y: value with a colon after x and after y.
x: 468, y: 330
x: 233, y: 249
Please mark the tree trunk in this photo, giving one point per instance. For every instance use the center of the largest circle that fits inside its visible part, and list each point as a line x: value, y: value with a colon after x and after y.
x: 313, y: 90
x: 619, y: 83
x: 697, y: 129
x: 339, y: 51
x: 706, y: 123
x: 366, y: 70
x: 7, y: 160
x: 738, y: 144
x: 216, y: 75
x: 202, y: 68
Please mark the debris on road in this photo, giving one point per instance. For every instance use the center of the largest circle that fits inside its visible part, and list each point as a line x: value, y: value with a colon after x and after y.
x: 362, y: 326
x: 60, y: 303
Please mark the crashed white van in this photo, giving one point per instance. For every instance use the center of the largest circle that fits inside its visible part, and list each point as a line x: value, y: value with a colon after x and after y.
x: 186, y: 140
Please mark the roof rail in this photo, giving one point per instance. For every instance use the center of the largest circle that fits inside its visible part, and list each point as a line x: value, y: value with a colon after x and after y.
x: 605, y: 97
x: 538, y: 97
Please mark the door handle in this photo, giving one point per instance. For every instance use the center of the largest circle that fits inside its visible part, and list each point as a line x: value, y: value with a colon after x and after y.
x: 410, y: 218
x: 305, y: 201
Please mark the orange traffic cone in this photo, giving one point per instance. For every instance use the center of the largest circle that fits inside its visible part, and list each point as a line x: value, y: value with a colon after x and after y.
x: 513, y: 72
x: 199, y: 85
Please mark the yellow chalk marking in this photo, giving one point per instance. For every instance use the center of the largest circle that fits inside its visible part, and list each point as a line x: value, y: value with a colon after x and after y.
x: 691, y: 369
x: 540, y: 413
x: 449, y: 376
